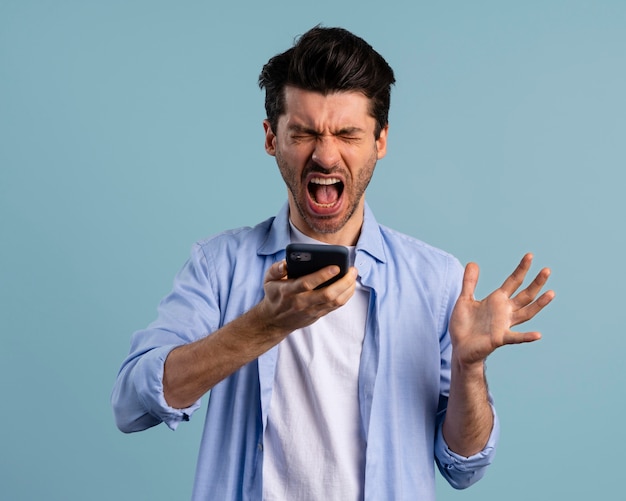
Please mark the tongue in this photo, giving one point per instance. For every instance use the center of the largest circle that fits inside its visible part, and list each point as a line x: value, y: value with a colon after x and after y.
x: 325, y: 194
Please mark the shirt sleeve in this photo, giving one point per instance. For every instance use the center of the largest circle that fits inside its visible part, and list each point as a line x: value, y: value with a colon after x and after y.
x: 460, y: 471
x: 188, y: 313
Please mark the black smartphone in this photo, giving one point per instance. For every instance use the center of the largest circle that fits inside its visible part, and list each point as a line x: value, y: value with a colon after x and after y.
x: 304, y: 259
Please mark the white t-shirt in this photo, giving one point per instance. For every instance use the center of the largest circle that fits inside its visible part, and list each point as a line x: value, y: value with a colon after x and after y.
x: 314, y: 447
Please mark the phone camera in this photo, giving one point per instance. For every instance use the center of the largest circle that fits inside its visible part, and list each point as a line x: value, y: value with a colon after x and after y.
x: 300, y: 256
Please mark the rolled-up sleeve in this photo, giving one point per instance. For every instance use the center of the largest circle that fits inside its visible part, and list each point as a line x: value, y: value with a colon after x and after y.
x: 460, y: 471
x: 188, y: 313
x: 138, y: 400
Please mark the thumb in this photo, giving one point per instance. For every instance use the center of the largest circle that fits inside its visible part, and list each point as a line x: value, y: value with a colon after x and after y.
x: 470, y: 279
x: 277, y: 271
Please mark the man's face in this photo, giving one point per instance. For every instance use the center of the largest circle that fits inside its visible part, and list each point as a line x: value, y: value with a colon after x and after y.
x: 326, y: 151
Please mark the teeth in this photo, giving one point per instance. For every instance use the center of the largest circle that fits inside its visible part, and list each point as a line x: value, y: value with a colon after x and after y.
x: 325, y: 180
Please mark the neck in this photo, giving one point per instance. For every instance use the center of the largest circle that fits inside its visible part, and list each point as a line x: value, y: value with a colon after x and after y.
x: 347, y: 235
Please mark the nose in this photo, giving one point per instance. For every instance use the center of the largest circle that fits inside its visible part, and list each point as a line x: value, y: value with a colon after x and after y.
x: 326, y: 153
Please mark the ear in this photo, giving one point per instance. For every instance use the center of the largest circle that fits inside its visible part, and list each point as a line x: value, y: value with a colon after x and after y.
x: 381, y: 142
x: 270, y: 138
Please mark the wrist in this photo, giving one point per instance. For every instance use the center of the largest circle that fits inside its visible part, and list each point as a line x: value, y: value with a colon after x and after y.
x: 468, y: 369
x: 264, y: 325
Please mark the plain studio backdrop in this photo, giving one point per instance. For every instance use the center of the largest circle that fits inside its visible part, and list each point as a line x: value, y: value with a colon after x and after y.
x: 131, y: 129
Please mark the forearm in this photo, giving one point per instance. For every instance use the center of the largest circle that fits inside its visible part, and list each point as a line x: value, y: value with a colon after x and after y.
x: 192, y: 370
x: 469, y: 418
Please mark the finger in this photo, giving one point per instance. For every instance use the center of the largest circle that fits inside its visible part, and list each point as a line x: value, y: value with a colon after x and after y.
x: 526, y: 296
x: 334, y: 296
x: 515, y: 279
x: 339, y: 286
x: 344, y: 288
x: 313, y: 280
x: 470, y: 279
x: 346, y: 294
x: 528, y: 312
x: 326, y: 299
x: 521, y: 337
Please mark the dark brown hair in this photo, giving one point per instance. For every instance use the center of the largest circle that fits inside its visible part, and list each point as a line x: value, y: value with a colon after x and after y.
x: 328, y: 60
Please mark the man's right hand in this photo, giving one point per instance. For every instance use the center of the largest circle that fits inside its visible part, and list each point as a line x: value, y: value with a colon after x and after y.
x: 289, y: 304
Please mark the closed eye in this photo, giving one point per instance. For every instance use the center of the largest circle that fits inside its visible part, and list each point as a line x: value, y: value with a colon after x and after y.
x: 350, y: 134
x: 299, y: 138
x: 350, y: 138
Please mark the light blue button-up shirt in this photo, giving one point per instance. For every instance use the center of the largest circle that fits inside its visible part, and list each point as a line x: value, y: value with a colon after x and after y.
x: 404, y: 375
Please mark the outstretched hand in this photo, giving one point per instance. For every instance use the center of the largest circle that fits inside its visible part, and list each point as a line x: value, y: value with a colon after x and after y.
x: 477, y: 328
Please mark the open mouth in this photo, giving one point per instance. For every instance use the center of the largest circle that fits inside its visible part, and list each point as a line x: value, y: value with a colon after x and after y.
x: 325, y: 192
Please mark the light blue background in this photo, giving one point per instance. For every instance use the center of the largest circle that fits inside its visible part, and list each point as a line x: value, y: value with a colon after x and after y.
x: 130, y: 129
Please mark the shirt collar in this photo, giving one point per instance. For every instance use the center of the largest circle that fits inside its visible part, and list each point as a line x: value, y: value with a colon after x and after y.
x: 370, y: 240
x: 278, y: 235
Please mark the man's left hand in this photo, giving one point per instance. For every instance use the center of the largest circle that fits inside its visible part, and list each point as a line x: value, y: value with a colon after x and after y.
x: 477, y: 328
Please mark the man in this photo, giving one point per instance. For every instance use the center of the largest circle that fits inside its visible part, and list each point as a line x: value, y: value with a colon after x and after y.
x: 351, y: 391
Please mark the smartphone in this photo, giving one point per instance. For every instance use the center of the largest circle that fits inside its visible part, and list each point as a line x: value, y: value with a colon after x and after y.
x: 304, y: 259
